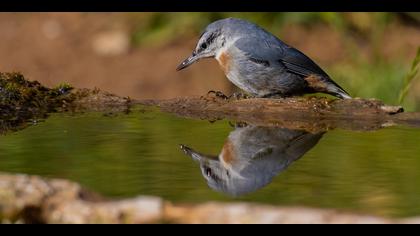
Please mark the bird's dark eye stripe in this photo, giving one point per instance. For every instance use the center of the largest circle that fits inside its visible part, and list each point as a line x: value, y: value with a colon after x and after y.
x: 211, y: 38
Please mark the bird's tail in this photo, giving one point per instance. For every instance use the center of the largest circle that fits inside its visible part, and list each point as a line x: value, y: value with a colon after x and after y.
x: 325, y: 84
x: 334, y: 89
x: 337, y: 91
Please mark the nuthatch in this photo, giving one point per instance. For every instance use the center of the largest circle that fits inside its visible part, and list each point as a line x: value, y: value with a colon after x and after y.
x: 259, y: 63
x: 252, y: 156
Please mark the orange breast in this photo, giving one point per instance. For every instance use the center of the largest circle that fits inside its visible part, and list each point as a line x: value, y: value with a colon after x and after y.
x: 224, y: 61
x: 228, y: 153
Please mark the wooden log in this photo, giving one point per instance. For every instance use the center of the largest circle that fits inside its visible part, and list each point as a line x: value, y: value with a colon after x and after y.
x: 309, y: 113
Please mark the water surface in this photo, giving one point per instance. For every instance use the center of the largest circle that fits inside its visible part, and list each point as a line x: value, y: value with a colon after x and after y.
x: 374, y: 172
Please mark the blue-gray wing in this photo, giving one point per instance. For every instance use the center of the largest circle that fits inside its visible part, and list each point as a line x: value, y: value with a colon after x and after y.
x: 268, y: 50
x: 275, y: 51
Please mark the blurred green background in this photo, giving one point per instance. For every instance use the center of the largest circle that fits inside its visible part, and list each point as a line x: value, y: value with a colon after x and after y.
x: 164, y: 27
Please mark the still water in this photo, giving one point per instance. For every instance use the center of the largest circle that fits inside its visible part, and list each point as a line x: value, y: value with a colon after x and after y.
x: 376, y: 172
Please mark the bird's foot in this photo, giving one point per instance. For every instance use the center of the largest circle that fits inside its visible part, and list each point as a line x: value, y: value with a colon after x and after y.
x: 239, y: 96
x: 218, y: 94
x: 238, y: 124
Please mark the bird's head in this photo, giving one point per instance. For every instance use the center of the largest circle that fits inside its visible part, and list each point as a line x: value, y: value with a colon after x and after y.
x: 210, y: 42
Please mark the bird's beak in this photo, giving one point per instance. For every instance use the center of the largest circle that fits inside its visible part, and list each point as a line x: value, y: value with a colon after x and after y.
x: 195, y: 155
x: 187, y: 62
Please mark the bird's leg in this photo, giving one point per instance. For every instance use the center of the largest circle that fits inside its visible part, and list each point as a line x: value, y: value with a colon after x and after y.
x: 218, y: 94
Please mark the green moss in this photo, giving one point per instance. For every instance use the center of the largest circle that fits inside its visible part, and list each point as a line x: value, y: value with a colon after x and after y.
x: 22, y: 100
x: 61, y: 89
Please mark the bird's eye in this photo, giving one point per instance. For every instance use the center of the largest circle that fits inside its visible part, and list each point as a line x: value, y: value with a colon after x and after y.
x: 203, y: 46
x: 208, y: 172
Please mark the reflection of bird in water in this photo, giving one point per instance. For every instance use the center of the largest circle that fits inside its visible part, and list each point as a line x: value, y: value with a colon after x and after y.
x: 252, y: 156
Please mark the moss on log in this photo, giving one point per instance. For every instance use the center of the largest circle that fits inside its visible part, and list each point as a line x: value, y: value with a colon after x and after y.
x: 23, y: 102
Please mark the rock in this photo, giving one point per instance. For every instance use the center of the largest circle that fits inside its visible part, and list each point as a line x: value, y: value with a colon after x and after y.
x: 137, y: 210
x: 240, y: 213
x: 22, y: 195
x: 32, y: 199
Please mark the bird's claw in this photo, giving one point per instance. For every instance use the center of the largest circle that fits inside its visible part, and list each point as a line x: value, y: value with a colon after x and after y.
x: 239, y: 96
x: 238, y: 124
x: 218, y: 94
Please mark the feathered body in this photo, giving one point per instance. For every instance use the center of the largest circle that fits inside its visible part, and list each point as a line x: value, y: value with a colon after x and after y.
x: 259, y: 63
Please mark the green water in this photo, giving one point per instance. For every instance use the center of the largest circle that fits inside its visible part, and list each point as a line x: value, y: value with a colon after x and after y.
x: 138, y: 154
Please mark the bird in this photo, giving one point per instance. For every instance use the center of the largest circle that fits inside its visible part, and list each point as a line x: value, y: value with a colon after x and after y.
x: 259, y: 63
x: 251, y: 157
